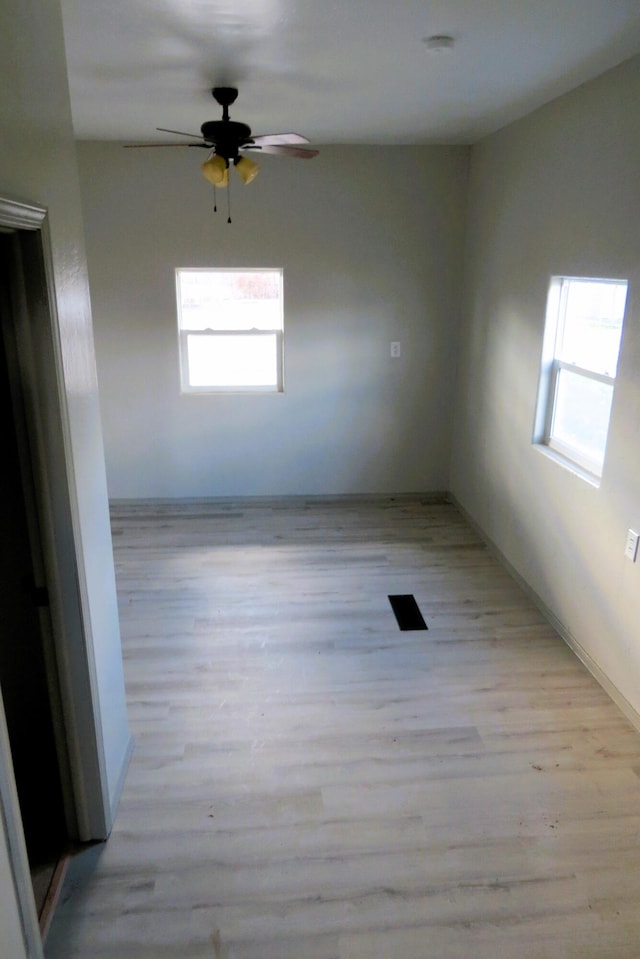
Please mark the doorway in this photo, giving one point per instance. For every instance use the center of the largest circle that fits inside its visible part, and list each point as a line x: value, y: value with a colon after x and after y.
x: 28, y: 675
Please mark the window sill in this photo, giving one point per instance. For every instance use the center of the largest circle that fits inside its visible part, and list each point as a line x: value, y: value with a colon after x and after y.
x: 231, y: 391
x: 568, y: 465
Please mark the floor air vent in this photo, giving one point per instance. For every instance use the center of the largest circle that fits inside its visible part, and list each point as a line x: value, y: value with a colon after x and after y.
x: 407, y: 612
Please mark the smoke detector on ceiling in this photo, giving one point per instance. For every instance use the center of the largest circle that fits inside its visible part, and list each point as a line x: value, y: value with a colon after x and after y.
x: 438, y: 43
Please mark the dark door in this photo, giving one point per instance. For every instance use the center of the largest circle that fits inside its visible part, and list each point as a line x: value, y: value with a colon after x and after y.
x: 25, y: 665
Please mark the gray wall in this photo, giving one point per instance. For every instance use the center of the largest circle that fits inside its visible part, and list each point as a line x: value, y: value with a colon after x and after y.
x: 370, y: 241
x: 556, y: 193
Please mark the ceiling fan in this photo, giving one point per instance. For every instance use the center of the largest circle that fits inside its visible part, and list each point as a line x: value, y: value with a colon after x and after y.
x: 228, y: 141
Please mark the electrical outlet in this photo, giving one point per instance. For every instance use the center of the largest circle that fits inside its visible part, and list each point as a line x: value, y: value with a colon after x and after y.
x: 631, y: 549
x: 395, y: 349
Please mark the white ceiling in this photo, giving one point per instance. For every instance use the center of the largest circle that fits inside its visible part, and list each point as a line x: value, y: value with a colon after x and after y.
x: 338, y: 71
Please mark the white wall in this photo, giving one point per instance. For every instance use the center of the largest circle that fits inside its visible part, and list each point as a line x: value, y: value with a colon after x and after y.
x: 38, y: 165
x: 370, y: 241
x: 556, y: 193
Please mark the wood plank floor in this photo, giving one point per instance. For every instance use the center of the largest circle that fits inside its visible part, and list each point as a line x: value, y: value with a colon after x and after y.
x: 309, y: 782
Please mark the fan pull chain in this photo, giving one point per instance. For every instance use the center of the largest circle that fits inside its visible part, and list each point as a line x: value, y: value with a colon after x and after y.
x: 215, y: 206
x: 229, y: 201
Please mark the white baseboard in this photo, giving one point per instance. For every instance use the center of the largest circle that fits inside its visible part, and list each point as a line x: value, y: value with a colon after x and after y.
x: 585, y: 658
x: 302, y: 499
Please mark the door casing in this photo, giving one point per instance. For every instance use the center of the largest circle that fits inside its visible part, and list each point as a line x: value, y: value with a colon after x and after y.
x: 87, y: 802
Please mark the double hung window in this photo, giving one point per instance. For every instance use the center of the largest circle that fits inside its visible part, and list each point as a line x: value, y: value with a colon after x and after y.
x: 580, y: 361
x: 230, y: 330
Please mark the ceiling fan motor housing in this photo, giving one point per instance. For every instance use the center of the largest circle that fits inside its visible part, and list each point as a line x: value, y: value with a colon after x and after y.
x: 227, y: 136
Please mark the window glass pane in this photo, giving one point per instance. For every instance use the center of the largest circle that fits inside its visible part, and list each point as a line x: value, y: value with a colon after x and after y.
x: 241, y: 361
x: 230, y: 300
x: 581, y: 415
x: 594, y: 311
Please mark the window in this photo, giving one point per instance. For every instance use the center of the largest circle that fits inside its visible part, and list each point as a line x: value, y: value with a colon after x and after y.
x: 230, y: 330
x: 579, y: 365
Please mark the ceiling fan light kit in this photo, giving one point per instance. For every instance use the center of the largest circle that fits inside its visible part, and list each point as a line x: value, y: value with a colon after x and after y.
x: 227, y: 140
x: 247, y: 168
x: 216, y: 170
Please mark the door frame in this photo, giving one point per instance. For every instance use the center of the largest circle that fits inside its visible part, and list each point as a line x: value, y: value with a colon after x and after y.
x: 83, y: 769
x: 15, y: 887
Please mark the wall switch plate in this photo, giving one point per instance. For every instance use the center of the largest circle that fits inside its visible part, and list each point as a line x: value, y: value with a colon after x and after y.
x: 395, y: 349
x: 631, y: 549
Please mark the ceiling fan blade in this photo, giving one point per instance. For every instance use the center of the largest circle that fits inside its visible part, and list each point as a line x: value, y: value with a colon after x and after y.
x: 140, y: 146
x: 279, y: 139
x: 181, y: 133
x: 287, y: 150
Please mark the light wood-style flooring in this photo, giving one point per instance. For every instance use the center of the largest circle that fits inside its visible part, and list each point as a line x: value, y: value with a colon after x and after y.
x: 311, y: 783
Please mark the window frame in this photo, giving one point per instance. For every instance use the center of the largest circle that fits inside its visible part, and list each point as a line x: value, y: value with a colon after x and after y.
x: 550, y: 371
x: 184, y: 335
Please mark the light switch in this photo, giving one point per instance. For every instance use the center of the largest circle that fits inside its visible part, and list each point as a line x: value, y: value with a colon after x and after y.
x: 631, y: 549
x: 395, y: 349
